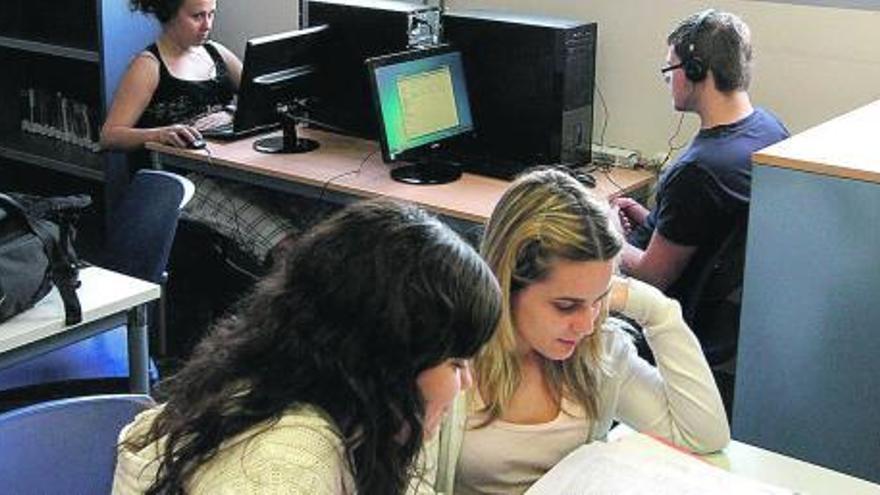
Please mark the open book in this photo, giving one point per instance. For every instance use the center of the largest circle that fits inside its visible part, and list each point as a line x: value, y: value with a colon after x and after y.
x: 639, y: 464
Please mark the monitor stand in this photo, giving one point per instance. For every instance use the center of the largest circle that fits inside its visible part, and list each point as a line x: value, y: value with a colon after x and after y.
x: 427, y: 171
x: 289, y: 141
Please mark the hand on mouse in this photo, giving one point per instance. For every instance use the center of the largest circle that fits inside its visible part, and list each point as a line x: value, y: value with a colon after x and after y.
x: 178, y: 135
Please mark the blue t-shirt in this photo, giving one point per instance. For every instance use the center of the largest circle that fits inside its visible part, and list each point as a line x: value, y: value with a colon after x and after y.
x: 705, y: 193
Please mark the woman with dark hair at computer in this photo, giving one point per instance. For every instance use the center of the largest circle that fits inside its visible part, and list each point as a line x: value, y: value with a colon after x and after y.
x: 334, y: 371
x: 177, y: 85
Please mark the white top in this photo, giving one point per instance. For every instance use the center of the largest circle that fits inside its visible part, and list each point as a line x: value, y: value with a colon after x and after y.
x: 531, y: 450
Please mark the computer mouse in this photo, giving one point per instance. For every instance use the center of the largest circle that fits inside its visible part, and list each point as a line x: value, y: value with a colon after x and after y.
x: 585, y: 178
x: 197, y: 144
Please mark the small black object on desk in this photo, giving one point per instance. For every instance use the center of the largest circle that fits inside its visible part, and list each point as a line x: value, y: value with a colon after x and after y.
x: 585, y: 178
x: 197, y: 144
x: 289, y: 141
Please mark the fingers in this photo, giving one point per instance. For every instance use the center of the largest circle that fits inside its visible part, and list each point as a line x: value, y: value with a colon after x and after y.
x: 180, y: 135
x: 617, y: 219
x: 623, y: 202
x: 624, y: 223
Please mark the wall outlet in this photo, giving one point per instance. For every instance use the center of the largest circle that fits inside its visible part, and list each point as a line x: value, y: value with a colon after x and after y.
x: 616, y: 156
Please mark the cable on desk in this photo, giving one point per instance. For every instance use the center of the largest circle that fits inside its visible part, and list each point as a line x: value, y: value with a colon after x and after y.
x: 606, y: 115
x: 605, y: 169
x: 234, y: 208
x: 329, y: 181
x: 209, y: 154
x: 607, y: 174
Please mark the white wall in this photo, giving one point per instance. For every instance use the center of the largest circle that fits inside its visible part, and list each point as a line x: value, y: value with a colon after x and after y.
x: 238, y: 20
x: 811, y: 63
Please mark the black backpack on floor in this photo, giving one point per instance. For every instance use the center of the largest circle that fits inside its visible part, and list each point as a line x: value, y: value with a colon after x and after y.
x: 36, y: 250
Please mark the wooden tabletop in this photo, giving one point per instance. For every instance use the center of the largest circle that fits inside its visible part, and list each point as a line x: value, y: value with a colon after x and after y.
x: 843, y: 147
x: 354, y: 166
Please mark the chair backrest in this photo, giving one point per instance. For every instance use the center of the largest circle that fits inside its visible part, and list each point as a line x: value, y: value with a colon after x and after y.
x: 142, y: 225
x: 712, y: 304
x: 65, y: 446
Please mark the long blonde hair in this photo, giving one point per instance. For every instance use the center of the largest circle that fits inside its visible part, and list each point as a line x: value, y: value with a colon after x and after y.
x: 545, y: 216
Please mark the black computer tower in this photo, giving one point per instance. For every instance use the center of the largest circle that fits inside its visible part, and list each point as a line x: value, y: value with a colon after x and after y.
x: 530, y: 81
x: 358, y: 30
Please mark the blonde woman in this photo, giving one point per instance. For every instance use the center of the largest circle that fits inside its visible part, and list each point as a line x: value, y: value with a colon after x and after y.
x: 558, y: 371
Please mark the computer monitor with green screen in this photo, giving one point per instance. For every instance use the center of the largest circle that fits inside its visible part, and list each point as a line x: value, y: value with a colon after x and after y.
x: 421, y: 100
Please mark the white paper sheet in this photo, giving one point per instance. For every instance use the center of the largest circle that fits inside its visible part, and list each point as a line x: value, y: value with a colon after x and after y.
x: 639, y: 464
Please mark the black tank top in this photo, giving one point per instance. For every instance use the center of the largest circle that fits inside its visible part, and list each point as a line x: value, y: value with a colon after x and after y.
x: 177, y: 101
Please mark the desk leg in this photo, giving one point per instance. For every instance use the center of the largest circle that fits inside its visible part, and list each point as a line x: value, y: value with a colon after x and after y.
x: 138, y: 354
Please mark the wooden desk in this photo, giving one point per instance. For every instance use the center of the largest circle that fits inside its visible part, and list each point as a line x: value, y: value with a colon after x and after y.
x: 808, y: 367
x: 108, y: 299
x: 471, y: 198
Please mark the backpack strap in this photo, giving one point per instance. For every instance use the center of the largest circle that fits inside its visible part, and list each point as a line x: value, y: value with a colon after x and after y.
x: 64, y: 270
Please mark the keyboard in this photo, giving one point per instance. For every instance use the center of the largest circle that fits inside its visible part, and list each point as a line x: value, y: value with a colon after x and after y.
x: 218, y: 131
x: 227, y: 132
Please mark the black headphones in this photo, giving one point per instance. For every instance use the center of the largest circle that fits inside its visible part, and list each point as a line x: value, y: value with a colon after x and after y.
x: 693, y: 66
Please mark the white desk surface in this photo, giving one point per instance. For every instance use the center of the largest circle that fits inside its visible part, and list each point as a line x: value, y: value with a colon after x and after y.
x: 102, y: 293
x: 788, y: 472
x: 780, y: 470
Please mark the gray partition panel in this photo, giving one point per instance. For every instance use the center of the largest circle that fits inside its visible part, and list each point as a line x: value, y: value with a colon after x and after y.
x: 808, y: 371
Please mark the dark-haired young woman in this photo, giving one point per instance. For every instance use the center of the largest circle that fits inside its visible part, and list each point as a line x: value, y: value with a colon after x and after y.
x: 176, y: 86
x: 334, y: 371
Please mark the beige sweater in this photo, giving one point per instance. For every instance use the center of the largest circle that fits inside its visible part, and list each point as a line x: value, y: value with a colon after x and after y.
x: 300, y: 454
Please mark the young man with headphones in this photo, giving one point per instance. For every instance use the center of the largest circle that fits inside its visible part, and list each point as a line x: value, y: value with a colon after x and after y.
x: 704, y: 195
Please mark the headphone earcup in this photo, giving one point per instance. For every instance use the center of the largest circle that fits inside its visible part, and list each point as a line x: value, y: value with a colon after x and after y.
x: 694, y: 69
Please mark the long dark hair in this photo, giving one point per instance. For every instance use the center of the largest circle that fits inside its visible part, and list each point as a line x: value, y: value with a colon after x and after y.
x: 163, y: 10
x: 361, y: 305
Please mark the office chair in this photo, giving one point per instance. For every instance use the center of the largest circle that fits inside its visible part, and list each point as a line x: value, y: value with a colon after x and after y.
x: 65, y: 446
x: 141, y: 230
x: 712, y: 308
x: 712, y: 303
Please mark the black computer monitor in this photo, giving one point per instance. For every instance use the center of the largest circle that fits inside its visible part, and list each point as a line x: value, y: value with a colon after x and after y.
x: 279, y: 69
x: 421, y: 100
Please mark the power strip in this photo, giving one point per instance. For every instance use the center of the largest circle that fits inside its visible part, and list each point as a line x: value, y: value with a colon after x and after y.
x: 615, y: 156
